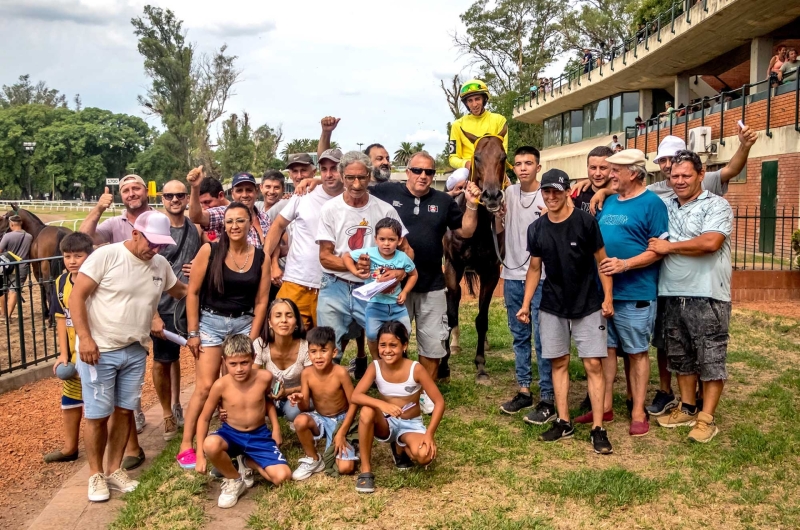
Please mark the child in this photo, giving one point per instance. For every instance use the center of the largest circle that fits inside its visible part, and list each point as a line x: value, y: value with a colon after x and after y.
x: 243, y: 392
x: 330, y: 387
x: 396, y: 418
x: 384, y: 307
x: 75, y: 248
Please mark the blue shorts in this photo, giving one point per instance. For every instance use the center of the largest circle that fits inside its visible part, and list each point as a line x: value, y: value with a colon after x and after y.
x: 337, y: 308
x: 398, y: 427
x: 327, y: 426
x: 631, y: 327
x: 378, y: 314
x: 257, y: 444
x: 115, y: 381
x: 214, y: 328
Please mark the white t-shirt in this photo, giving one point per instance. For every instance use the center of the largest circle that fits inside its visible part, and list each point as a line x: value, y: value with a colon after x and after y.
x: 302, y: 262
x: 128, y: 290
x: 522, y: 209
x: 352, y: 228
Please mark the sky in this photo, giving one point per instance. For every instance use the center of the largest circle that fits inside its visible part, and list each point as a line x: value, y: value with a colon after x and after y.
x: 376, y: 64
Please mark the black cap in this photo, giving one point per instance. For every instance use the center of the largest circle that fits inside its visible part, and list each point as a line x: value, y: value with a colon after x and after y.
x: 555, y: 178
x: 242, y: 178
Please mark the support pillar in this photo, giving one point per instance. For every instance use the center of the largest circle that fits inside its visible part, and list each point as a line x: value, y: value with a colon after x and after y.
x: 761, y: 53
x: 681, y: 92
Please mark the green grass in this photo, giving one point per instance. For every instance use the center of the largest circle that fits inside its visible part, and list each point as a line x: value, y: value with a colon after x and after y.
x: 494, y: 473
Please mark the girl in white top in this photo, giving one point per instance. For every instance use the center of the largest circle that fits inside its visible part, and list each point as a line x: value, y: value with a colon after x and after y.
x: 282, y: 349
x: 395, y: 418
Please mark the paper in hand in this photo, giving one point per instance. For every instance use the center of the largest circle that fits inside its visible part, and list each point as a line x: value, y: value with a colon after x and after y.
x: 174, y: 337
x: 368, y: 290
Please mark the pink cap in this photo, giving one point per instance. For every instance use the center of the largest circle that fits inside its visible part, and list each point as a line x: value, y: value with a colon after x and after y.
x: 155, y: 227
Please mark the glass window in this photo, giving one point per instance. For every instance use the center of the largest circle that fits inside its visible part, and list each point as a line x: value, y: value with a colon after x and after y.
x: 588, y: 111
x: 601, y: 122
x: 565, y: 129
x: 576, y: 126
x: 616, y: 114
x: 630, y: 109
x: 552, y: 131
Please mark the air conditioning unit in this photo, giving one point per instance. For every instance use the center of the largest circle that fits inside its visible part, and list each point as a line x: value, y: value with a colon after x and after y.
x: 700, y: 140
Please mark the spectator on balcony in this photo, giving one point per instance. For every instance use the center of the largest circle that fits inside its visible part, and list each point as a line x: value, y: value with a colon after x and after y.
x: 640, y: 125
x: 668, y: 110
x: 587, y: 60
x: 614, y: 141
x: 788, y: 71
x: 777, y: 61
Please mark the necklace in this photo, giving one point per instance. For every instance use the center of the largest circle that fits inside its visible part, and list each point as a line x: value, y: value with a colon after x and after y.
x: 246, y: 259
x: 530, y: 203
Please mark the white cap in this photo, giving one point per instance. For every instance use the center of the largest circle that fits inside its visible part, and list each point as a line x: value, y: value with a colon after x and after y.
x: 669, y: 146
x: 155, y: 227
x: 456, y: 177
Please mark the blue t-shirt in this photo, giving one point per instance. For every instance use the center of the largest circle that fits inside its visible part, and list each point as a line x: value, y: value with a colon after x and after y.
x: 626, y: 226
x: 400, y: 260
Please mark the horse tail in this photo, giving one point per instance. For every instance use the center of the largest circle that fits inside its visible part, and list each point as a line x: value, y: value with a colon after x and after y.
x: 472, y: 279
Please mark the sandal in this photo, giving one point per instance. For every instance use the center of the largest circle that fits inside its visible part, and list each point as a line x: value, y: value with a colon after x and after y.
x: 132, y: 462
x: 365, y: 483
x: 187, y: 459
x: 58, y: 456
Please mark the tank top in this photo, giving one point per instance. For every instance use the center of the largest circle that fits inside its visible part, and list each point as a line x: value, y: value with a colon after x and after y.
x: 291, y: 375
x: 777, y: 66
x: 240, y: 288
x: 176, y: 258
x: 405, y: 389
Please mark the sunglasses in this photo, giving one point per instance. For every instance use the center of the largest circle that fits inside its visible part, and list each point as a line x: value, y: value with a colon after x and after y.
x: 172, y: 196
x: 154, y: 246
x: 420, y: 171
x: 471, y: 86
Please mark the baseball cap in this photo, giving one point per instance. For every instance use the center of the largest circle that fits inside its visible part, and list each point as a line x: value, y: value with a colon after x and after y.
x: 330, y: 154
x: 627, y: 157
x: 155, y: 227
x: 456, y: 177
x: 669, y: 146
x: 243, y: 178
x: 555, y: 178
x: 301, y: 158
x: 129, y: 179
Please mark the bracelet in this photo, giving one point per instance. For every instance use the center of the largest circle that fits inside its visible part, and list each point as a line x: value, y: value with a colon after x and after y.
x: 193, y: 334
x: 625, y: 262
x: 473, y: 209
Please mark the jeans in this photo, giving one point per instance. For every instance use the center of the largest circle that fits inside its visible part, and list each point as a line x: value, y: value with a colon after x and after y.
x: 513, y: 293
x: 337, y: 308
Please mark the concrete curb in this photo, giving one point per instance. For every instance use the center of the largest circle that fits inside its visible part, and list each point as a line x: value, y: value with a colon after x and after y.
x: 71, y: 509
x: 22, y: 377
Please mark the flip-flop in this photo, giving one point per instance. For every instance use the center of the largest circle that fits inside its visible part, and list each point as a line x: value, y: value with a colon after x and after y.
x: 187, y: 459
x: 132, y: 462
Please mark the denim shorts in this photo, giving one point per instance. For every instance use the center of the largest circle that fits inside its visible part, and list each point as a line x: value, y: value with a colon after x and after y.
x: 214, y: 328
x: 115, y: 381
x: 398, y: 427
x: 378, y: 314
x: 327, y: 426
x: 631, y: 327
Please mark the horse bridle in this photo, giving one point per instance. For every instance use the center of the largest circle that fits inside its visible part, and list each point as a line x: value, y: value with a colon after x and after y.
x: 472, y: 173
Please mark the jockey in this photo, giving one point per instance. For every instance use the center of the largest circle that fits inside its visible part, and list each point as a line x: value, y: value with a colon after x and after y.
x: 474, y: 94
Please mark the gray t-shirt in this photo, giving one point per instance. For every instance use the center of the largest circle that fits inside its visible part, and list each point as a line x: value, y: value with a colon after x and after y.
x: 166, y: 306
x: 787, y: 66
x: 19, y: 243
x: 711, y: 182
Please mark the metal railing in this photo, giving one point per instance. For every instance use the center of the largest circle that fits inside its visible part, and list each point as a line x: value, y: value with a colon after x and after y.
x: 762, y: 239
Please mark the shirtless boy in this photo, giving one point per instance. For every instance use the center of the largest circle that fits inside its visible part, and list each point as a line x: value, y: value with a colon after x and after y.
x: 329, y: 386
x: 243, y: 393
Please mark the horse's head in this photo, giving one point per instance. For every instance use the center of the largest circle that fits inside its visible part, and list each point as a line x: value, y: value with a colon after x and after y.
x: 4, y: 222
x: 489, y: 167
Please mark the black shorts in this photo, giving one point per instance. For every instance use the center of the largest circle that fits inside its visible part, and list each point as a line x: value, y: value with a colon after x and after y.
x: 658, y: 329
x: 165, y: 351
x: 696, y: 336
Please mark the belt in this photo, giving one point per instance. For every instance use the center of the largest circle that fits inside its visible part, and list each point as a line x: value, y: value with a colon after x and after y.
x: 349, y: 282
x: 228, y: 315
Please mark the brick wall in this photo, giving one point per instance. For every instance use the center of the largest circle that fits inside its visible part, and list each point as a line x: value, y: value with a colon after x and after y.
x: 747, y: 286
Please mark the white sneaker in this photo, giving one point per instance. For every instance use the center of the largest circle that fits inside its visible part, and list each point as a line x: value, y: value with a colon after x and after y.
x: 425, y: 403
x: 138, y: 417
x: 245, y: 472
x: 98, y: 489
x: 177, y: 411
x: 120, y: 481
x: 232, y: 489
x: 308, y: 466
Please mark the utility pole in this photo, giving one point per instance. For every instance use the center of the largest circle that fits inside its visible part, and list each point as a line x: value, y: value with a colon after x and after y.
x: 29, y: 147
x: 359, y: 144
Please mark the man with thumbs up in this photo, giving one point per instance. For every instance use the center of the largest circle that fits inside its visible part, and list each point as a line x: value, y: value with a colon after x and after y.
x: 133, y: 191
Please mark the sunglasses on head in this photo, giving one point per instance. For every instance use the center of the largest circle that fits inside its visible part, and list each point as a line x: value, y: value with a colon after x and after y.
x: 420, y: 171
x: 172, y: 196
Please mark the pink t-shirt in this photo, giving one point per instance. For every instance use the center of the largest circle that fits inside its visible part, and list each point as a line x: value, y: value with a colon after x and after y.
x: 115, y: 229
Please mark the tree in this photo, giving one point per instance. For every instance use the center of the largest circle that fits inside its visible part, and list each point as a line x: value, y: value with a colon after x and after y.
x: 598, y: 24
x: 451, y: 93
x: 402, y: 155
x: 302, y: 145
x: 266, y: 141
x: 236, y: 150
x: 648, y: 10
x: 419, y: 146
x: 24, y: 93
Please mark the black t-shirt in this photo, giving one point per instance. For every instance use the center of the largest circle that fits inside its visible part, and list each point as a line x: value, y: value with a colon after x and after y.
x: 567, y: 250
x: 583, y: 199
x: 436, y: 212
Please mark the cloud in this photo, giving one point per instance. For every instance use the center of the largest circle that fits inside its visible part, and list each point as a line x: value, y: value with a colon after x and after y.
x: 53, y: 11
x: 240, y: 29
x: 428, y: 137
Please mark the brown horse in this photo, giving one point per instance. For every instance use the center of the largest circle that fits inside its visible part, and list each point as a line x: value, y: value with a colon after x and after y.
x: 45, y: 244
x: 475, y: 258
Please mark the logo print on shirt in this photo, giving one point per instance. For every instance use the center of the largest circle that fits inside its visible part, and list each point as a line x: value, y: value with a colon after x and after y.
x: 573, y: 244
x: 397, y: 204
x: 358, y: 234
x: 433, y: 208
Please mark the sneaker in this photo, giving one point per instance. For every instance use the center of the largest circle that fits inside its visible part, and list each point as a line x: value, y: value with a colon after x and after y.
x: 559, y: 430
x: 231, y: 490
x: 639, y: 428
x: 599, y: 439
x: 98, y: 489
x: 679, y: 417
x: 138, y: 417
x: 170, y: 428
x: 662, y: 403
x: 365, y: 483
x: 705, y: 429
x: 120, y: 481
x: 177, y: 413
x: 608, y: 417
x: 357, y: 367
x: 245, y: 472
x: 308, y: 466
x: 522, y: 400
x: 586, y: 404
x: 402, y: 462
x: 543, y: 413
x: 425, y: 403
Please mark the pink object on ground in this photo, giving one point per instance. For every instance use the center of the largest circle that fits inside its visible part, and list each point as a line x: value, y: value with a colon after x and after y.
x: 187, y: 459
x: 608, y: 417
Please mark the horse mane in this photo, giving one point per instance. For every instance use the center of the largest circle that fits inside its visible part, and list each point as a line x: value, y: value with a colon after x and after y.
x: 33, y: 216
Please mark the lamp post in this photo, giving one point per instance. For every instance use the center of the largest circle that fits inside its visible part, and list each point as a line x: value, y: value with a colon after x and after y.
x: 359, y: 144
x: 29, y: 147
